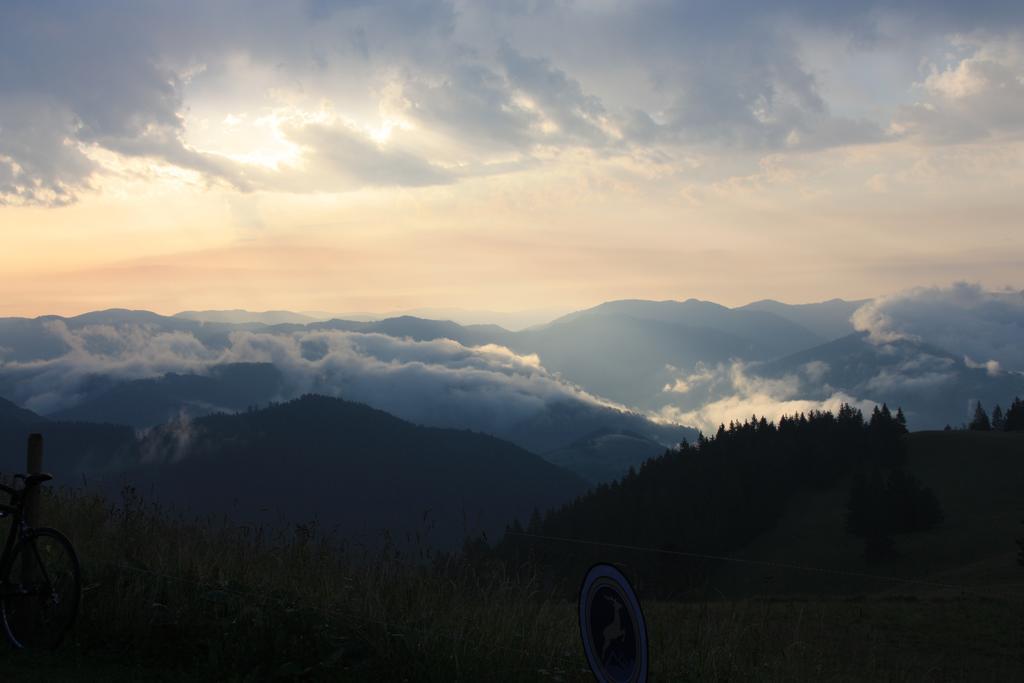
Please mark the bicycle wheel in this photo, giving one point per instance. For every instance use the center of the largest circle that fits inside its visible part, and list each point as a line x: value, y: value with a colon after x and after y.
x: 40, y: 602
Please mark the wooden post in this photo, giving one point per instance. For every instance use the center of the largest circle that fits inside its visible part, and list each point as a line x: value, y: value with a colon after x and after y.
x: 34, y: 465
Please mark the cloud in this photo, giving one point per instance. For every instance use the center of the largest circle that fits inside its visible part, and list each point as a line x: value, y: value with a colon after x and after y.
x: 73, y: 76
x: 484, y: 82
x: 751, y: 395
x: 344, y: 155
x: 963, y: 319
x: 438, y: 383
x: 992, y: 367
x: 816, y: 370
x: 475, y: 105
x: 766, y: 102
x: 124, y: 352
x: 39, y: 161
x: 913, y: 376
x: 738, y: 394
x: 492, y: 86
x: 574, y: 114
x: 701, y: 376
x: 975, y: 96
x: 169, y: 442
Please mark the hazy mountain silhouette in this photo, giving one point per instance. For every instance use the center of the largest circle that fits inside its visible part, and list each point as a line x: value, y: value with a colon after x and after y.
x: 627, y: 351
x: 235, y: 387
x: 619, y: 349
x: 606, y: 455
x: 238, y: 316
x: 148, y: 402
x: 71, y: 449
x: 11, y: 413
x: 510, y: 320
x: 933, y: 386
x: 29, y: 339
x: 622, y: 349
x: 349, y: 466
x: 827, y: 319
x: 418, y: 329
x: 767, y: 330
x: 562, y: 426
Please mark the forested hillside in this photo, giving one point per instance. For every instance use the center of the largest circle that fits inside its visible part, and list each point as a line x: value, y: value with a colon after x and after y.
x: 718, y: 495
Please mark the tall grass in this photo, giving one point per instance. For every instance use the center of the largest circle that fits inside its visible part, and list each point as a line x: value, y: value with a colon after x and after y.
x: 166, y: 593
x: 173, y: 598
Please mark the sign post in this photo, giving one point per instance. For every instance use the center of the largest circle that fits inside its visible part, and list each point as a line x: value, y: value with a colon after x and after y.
x: 612, y: 627
x: 33, y: 465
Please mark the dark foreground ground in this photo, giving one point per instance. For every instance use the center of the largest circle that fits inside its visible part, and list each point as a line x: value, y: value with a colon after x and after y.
x: 169, y: 599
x: 849, y: 640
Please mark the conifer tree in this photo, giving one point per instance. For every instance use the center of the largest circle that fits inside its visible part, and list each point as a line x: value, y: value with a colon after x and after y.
x: 1014, y: 418
x: 998, y: 420
x: 980, y: 421
x: 867, y: 516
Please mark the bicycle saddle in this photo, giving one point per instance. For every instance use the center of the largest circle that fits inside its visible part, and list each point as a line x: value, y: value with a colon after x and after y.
x: 33, y: 479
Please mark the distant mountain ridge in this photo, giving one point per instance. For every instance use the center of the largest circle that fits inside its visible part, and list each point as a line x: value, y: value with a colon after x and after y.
x: 629, y: 351
x: 349, y: 466
x: 240, y: 316
x: 353, y: 467
x: 231, y: 388
x: 606, y: 455
x: 147, y: 402
x: 828, y: 319
x: 934, y: 387
x: 71, y: 449
x: 11, y: 413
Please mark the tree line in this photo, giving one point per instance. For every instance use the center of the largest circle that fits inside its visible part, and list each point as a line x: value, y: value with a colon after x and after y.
x: 1010, y: 421
x: 715, y: 496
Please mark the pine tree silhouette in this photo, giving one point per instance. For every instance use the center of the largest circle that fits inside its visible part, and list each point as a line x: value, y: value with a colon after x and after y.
x: 980, y: 421
x: 998, y: 419
x: 1015, y: 416
x: 718, y: 494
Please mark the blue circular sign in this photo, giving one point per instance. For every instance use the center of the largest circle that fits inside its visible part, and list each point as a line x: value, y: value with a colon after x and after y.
x: 612, y: 627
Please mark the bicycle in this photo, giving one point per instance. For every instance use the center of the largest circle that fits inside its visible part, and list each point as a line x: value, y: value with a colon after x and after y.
x: 40, y: 579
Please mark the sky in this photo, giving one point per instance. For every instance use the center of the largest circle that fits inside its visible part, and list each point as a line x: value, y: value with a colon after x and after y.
x: 508, y: 155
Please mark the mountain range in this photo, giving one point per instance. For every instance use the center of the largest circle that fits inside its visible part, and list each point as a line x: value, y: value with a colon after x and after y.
x: 235, y: 412
x: 349, y: 467
x: 633, y: 360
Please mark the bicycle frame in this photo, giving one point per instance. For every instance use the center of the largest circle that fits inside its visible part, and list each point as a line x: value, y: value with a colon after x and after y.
x: 16, y: 511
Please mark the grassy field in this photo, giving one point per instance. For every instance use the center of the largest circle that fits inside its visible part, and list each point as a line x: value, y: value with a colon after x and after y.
x: 979, y: 480
x: 168, y: 598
